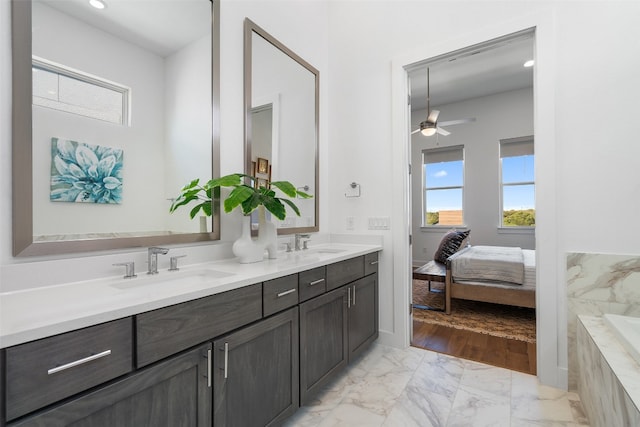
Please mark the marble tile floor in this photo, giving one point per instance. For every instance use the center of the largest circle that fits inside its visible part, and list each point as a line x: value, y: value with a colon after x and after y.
x: 414, y: 387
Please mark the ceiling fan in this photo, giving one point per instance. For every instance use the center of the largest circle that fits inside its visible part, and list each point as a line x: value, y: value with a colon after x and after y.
x: 430, y: 126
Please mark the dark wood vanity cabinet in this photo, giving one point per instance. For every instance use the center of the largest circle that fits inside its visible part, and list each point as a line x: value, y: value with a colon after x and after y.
x: 246, y: 357
x: 323, y: 341
x: 174, y: 392
x: 337, y: 326
x: 256, y: 373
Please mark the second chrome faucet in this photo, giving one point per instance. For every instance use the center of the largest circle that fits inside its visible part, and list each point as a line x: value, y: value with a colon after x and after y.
x: 152, y: 258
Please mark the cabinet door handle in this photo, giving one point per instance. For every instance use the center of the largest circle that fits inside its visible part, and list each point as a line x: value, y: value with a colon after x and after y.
x: 226, y: 359
x: 209, y: 368
x: 349, y: 297
x: 373, y: 262
x: 290, y: 291
x: 354, y: 294
x: 316, y: 282
x: 78, y: 362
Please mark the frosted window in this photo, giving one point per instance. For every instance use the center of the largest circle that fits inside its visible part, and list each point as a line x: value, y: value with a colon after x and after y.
x: 72, y: 92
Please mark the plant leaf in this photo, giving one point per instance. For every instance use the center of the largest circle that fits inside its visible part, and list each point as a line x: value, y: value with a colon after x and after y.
x: 276, y: 207
x: 286, y: 187
x: 292, y: 206
x: 237, y: 196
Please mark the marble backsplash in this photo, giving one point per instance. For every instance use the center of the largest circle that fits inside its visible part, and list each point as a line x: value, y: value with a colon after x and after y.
x: 599, y: 284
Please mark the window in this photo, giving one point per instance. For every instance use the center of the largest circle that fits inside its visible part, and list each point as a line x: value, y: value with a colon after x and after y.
x: 61, y: 88
x: 443, y: 185
x: 518, y: 183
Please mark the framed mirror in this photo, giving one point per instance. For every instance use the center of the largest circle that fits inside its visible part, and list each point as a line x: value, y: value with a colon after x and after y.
x: 114, y: 111
x: 281, y: 122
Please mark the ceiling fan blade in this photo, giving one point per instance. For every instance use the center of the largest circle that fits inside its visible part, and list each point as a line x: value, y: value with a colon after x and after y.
x: 433, y: 116
x: 457, y: 122
x: 443, y: 131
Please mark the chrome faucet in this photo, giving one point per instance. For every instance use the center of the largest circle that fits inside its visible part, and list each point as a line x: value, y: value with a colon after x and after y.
x: 152, y: 258
x: 298, y: 239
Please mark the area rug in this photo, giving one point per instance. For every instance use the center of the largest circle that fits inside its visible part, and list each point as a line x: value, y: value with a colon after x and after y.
x: 505, y: 321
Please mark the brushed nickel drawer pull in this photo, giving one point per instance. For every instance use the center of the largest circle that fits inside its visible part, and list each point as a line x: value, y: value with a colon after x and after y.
x: 316, y: 282
x: 349, y: 297
x: 78, y: 362
x: 209, y: 368
x: 290, y: 291
x: 373, y: 262
x: 226, y: 359
x: 354, y: 295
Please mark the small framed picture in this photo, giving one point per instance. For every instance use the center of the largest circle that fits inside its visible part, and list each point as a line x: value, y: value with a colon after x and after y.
x: 262, y: 183
x: 263, y: 165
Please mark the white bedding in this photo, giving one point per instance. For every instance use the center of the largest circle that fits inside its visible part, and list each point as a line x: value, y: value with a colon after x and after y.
x: 489, y: 263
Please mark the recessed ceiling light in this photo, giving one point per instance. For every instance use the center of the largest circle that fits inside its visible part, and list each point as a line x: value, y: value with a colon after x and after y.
x: 529, y: 63
x: 98, y: 4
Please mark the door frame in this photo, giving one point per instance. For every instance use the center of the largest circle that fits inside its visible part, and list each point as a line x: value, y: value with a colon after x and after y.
x: 550, y: 295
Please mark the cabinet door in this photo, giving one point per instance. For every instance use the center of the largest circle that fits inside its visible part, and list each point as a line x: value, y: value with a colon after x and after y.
x: 256, y: 373
x: 363, y: 314
x: 323, y: 341
x: 172, y: 393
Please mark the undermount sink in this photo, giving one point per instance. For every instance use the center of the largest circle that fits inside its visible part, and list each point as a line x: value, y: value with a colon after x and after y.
x: 326, y: 250
x: 177, y: 278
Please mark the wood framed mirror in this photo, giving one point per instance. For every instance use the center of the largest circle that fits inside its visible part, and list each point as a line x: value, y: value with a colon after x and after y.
x: 281, y: 122
x: 91, y: 173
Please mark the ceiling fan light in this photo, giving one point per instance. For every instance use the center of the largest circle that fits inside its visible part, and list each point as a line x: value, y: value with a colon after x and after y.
x: 98, y: 4
x: 427, y: 129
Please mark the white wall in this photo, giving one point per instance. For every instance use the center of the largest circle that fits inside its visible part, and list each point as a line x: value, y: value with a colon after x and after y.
x: 501, y: 116
x: 142, y: 142
x: 187, y: 125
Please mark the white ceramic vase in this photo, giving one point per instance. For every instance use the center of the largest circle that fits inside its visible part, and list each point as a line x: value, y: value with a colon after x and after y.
x: 245, y: 248
x: 267, y: 233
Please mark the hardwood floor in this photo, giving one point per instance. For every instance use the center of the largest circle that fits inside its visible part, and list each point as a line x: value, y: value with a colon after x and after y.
x: 503, y: 352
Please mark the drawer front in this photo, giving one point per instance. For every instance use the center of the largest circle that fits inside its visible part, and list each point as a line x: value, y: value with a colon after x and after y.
x: 45, y: 371
x: 312, y: 283
x: 166, y: 331
x: 343, y: 272
x: 279, y: 294
x: 370, y: 263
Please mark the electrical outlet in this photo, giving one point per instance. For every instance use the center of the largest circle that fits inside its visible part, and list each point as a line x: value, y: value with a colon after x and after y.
x: 351, y: 223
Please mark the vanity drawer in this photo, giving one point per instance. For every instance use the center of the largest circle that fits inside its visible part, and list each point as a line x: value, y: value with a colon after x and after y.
x: 280, y: 293
x: 45, y: 371
x: 343, y: 272
x: 166, y: 331
x: 370, y: 263
x: 312, y: 283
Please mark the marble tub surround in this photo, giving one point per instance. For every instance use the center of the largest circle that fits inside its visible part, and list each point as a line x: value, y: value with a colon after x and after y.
x: 609, y: 378
x: 598, y: 284
x: 415, y: 387
x: 36, y: 313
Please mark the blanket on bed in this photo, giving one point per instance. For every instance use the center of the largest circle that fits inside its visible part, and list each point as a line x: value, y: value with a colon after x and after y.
x: 489, y: 263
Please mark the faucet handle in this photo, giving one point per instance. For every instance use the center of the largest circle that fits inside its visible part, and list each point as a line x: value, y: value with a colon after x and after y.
x: 130, y: 269
x: 173, y: 262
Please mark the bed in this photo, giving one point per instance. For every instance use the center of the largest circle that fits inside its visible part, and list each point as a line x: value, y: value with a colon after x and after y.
x: 496, y: 274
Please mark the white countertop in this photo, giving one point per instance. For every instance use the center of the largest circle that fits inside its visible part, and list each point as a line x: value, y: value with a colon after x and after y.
x: 41, y: 312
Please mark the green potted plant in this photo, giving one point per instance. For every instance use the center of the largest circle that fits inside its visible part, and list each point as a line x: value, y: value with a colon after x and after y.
x: 249, y: 197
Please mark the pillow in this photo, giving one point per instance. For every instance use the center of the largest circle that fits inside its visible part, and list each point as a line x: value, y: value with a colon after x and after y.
x: 450, y: 244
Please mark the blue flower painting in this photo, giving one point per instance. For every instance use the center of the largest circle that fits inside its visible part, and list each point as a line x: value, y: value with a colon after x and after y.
x: 85, y: 173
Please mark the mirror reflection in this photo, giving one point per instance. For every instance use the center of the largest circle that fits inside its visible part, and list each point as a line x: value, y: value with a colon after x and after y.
x: 122, y: 117
x: 282, y: 122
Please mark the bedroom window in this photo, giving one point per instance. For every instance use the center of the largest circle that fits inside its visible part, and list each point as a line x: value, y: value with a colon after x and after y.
x: 61, y: 88
x: 517, y: 199
x: 443, y: 183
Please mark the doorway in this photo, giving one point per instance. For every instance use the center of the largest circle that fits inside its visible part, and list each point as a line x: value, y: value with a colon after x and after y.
x: 473, y: 99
